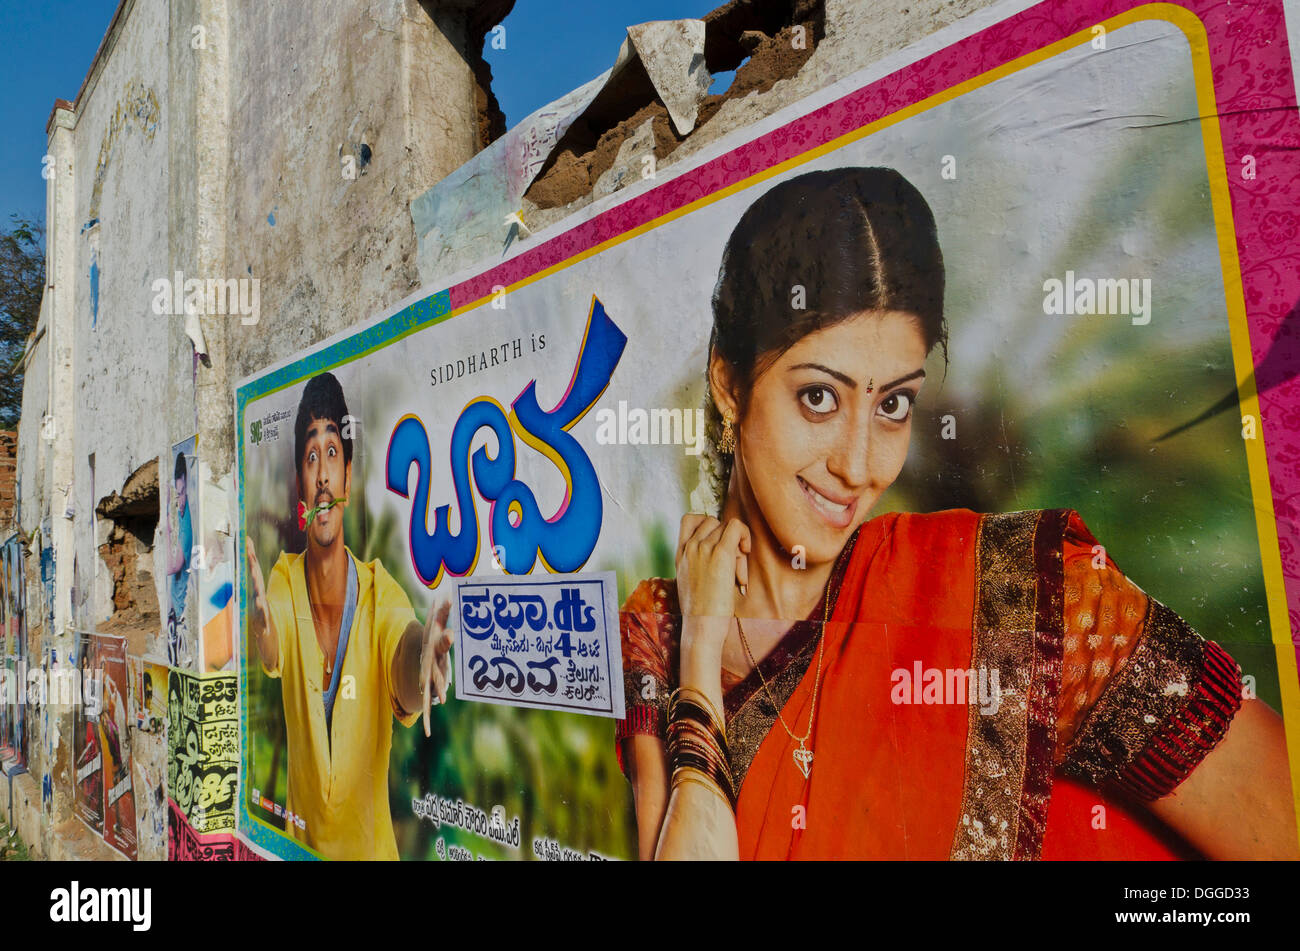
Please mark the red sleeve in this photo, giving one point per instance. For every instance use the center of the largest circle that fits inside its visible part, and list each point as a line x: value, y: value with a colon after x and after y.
x: 1144, y: 698
x: 648, y: 632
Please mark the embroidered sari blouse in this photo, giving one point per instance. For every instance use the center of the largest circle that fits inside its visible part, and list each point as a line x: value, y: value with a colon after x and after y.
x: 1101, y: 687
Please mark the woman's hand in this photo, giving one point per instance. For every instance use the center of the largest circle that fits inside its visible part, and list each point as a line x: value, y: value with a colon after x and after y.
x: 711, y: 562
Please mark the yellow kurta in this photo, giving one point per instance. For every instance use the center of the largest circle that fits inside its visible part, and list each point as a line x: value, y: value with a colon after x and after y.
x: 341, y: 794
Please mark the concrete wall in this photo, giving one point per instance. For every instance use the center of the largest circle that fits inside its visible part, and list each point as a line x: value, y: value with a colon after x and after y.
x: 209, y: 138
x: 33, y: 455
x: 34, y: 465
x: 339, y: 114
x: 120, y: 215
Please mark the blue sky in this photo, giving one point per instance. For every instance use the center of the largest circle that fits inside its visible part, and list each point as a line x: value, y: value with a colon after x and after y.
x: 547, y: 54
x: 48, y: 49
x: 51, y: 43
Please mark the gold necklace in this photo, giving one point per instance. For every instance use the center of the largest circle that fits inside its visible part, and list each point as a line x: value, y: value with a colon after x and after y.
x: 803, y: 756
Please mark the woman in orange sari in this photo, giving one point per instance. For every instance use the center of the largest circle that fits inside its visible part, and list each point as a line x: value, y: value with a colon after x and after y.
x: 952, y: 685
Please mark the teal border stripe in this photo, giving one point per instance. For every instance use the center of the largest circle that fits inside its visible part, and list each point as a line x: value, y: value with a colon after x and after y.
x: 423, y: 313
x: 406, y: 321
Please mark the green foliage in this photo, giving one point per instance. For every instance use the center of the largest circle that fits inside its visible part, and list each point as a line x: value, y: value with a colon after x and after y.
x: 12, y: 848
x: 1067, y: 412
x: 22, y: 284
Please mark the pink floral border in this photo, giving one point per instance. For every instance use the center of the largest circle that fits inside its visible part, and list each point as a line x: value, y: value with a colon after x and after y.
x: 1257, y: 111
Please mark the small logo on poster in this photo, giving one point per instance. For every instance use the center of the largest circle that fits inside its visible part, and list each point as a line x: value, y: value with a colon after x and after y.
x: 549, y: 642
x: 267, y: 428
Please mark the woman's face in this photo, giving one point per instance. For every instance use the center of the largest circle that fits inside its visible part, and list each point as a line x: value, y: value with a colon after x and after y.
x: 826, y: 429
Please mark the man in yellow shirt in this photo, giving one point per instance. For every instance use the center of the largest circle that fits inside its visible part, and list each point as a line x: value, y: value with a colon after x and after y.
x: 342, y: 636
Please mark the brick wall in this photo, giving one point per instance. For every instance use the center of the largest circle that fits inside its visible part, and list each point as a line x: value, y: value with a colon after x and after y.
x: 8, y: 482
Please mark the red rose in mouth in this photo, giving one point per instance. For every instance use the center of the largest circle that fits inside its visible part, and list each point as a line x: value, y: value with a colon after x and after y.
x: 302, y: 516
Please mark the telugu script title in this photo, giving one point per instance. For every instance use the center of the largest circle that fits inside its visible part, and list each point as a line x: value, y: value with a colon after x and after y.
x: 516, y: 526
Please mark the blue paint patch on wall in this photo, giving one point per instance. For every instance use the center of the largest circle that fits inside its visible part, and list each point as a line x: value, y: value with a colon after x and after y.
x: 270, y: 219
x: 91, y: 226
x: 94, y: 292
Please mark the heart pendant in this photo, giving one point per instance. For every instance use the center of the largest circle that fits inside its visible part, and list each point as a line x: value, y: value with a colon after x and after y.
x: 803, y: 759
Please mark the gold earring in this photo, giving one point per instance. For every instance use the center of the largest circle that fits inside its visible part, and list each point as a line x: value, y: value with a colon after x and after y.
x: 727, y: 444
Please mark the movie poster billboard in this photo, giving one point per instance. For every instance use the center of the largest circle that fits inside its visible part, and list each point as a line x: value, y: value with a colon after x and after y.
x: 202, y: 756
x: 215, y: 583
x: 149, y: 695
x: 114, y: 734
x: 8, y: 704
x: 149, y: 756
x: 8, y: 597
x: 87, y: 742
x: 13, y: 653
x: 894, y: 478
x: 183, y: 532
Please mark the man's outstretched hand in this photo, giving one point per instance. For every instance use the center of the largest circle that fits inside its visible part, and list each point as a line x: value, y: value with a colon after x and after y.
x: 435, y: 663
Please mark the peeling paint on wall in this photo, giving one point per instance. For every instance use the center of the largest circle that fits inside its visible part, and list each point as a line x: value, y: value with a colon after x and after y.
x: 138, y: 107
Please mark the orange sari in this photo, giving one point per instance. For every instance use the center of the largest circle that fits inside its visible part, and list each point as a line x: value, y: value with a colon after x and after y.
x: 904, y: 765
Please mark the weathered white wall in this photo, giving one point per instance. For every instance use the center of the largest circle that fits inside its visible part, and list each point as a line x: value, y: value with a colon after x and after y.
x: 121, y: 141
x: 33, y: 457
x: 313, y: 83
x: 34, y: 465
x: 59, y: 302
x: 200, y: 139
